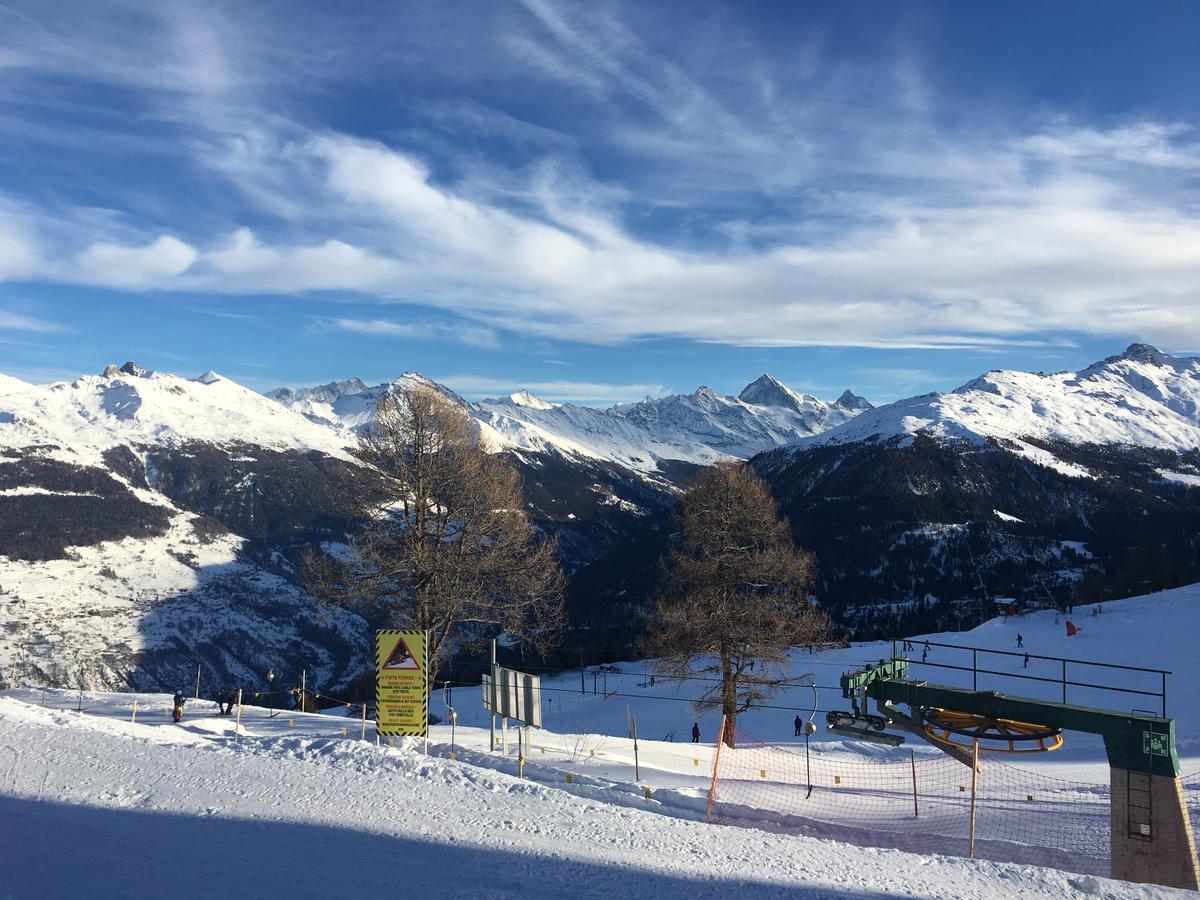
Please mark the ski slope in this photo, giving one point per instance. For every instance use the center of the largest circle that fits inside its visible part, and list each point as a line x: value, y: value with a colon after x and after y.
x: 94, y: 804
x: 297, y: 805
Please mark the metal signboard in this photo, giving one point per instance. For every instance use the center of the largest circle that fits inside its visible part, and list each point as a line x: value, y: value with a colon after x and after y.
x: 401, y: 683
x: 513, y: 695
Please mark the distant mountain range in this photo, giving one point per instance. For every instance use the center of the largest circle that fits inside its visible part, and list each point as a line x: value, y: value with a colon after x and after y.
x: 149, y: 520
x: 649, y: 437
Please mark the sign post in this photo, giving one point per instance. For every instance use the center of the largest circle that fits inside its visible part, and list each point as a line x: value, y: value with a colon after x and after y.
x: 401, y: 683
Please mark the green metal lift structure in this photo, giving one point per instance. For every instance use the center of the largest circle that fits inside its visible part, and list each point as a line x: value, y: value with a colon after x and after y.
x: 1152, y: 840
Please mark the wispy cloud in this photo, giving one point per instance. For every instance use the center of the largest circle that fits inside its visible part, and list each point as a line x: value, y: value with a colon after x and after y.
x: 12, y: 321
x: 447, y: 332
x: 585, y: 392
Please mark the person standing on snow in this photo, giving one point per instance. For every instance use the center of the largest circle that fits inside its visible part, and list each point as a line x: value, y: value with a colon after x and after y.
x: 799, y: 725
x: 695, y: 732
x: 1020, y: 640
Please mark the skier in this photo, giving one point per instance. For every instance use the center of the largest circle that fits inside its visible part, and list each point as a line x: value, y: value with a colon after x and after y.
x: 177, y: 710
x: 222, y: 702
x: 695, y: 732
x: 799, y: 726
x: 1020, y: 640
x: 1026, y: 665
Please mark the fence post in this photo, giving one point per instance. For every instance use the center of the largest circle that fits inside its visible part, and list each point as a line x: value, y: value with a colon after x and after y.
x: 364, y: 723
x: 974, y: 776
x: 637, y: 772
x: 974, y: 669
x: 1064, y: 673
x: 133, y: 718
x: 913, y: 759
x: 237, y: 725
x: 198, y: 680
x: 712, y: 790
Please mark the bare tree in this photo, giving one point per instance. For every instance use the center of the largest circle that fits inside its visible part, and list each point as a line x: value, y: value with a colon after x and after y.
x: 734, y: 595
x: 444, y: 544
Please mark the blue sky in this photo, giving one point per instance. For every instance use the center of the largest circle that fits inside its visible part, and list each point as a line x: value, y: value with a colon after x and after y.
x: 597, y: 201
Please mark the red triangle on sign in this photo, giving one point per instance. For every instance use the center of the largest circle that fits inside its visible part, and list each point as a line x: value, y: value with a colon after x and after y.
x: 401, y: 658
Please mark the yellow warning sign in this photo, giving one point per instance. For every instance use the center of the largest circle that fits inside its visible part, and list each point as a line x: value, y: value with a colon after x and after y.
x: 401, y: 679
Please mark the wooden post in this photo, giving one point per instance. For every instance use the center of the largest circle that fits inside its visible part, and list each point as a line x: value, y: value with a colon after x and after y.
x: 237, y: 725
x: 303, y: 690
x: 974, y: 778
x: 198, y: 680
x: 628, y: 721
x: 637, y: 772
x: 520, y: 753
x: 712, y: 789
x: 364, y: 723
x: 133, y: 718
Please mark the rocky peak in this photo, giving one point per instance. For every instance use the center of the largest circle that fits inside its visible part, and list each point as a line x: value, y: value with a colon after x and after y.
x: 767, y: 390
x: 851, y: 400
x: 1144, y: 353
x: 132, y: 368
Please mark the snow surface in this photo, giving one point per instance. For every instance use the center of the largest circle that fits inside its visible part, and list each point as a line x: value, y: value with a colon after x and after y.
x: 92, y: 804
x: 298, y: 806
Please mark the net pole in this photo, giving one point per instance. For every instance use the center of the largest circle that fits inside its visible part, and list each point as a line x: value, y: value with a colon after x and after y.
x: 974, y: 778
x: 712, y: 790
x: 913, y: 759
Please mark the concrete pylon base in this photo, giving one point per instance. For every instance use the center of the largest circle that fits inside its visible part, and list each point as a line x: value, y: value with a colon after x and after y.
x: 1152, y: 841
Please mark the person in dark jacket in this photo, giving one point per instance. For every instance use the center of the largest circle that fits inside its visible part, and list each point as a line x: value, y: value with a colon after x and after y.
x: 695, y: 732
x: 177, y: 711
x: 222, y: 702
x: 799, y: 723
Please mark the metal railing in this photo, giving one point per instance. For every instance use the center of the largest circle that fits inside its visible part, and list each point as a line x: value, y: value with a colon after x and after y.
x: 1063, y: 680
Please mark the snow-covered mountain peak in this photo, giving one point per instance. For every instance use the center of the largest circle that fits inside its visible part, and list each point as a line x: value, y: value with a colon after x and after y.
x: 526, y: 399
x: 209, y: 377
x: 767, y: 390
x: 137, y: 408
x: 1142, y: 397
x: 851, y: 400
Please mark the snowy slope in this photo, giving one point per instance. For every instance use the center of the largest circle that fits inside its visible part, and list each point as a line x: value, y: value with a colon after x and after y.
x: 97, y: 412
x: 143, y: 611
x: 105, y: 579
x: 1142, y: 397
x: 148, y: 809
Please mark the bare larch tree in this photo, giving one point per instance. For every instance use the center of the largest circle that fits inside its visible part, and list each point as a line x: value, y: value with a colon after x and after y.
x: 734, y: 594
x: 444, y: 544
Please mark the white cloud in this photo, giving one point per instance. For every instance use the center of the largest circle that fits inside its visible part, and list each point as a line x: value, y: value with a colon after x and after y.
x: 149, y: 265
x: 12, y: 321
x: 447, y: 332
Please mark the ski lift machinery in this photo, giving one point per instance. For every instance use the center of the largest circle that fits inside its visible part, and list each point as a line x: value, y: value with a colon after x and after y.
x: 1151, y: 832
